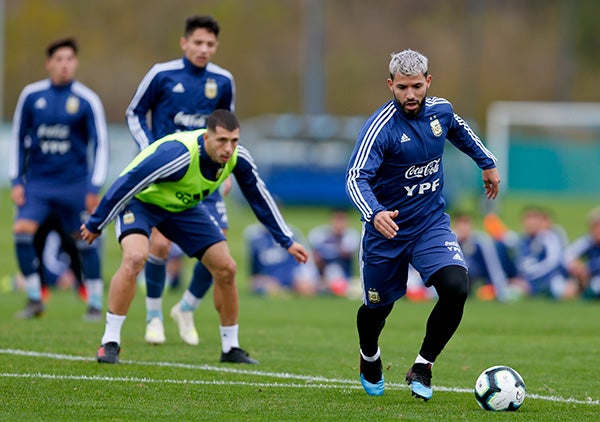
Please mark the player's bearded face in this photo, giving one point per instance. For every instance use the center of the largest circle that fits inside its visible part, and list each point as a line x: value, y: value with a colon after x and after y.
x: 410, y: 91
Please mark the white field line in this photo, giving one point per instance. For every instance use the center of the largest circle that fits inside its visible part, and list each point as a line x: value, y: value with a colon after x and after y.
x: 309, y: 381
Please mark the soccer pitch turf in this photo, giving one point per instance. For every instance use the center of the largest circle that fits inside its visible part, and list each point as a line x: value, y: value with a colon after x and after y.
x: 308, y: 353
x: 308, y: 369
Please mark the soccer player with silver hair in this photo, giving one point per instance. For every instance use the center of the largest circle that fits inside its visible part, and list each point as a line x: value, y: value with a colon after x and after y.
x: 408, y: 63
x: 395, y: 179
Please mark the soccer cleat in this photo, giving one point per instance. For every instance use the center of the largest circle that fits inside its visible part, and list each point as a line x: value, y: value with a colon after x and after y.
x: 237, y: 355
x: 419, y: 379
x: 155, y: 331
x: 185, y: 323
x: 33, y: 309
x: 108, y: 353
x: 92, y: 314
x: 373, y: 370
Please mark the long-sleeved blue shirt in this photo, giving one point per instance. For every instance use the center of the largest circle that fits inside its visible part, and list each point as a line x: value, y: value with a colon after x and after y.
x: 397, y: 163
x: 180, y: 96
x: 585, y: 247
x: 53, y: 129
x: 170, y: 162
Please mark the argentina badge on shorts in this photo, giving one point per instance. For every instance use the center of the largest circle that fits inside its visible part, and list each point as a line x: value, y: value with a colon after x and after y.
x: 373, y: 296
x: 128, y: 217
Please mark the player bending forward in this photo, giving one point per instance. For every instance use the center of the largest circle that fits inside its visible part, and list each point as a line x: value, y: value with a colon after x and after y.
x: 163, y: 187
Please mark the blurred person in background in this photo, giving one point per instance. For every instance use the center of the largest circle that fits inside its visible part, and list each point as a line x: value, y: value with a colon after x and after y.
x: 163, y: 187
x: 334, y: 246
x: 487, y: 278
x: 395, y: 179
x: 273, y: 271
x: 57, y: 125
x: 582, y: 257
x: 179, y: 95
x: 60, y: 265
x: 540, y: 255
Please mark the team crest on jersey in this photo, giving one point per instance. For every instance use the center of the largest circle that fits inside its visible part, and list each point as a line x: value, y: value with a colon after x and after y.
x: 436, y: 127
x: 128, y: 217
x: 373, y: 296
x: 72, y: 105
x: 210, y: 89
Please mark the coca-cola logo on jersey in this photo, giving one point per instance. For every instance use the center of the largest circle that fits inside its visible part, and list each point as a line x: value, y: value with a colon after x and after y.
x: 190, y: 120
x: 423, y: 171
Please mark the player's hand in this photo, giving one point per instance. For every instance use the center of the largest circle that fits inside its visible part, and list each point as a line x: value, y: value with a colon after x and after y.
x: 298, y: 252
x: 385, y: 224
x: 87, y: 235
x: 491, y: 180
x: 17, y: 194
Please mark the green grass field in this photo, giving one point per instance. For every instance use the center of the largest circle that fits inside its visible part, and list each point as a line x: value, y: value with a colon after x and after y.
x: 308, y: 352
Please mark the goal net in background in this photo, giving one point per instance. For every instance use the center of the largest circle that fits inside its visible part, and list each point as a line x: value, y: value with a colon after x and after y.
x: 546, y: 147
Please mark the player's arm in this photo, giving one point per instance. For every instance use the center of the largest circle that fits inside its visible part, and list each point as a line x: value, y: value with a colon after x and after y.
x: 362, y: 167
x: 227, y: 99
x: 22, y: 121
x: 169, y: 162
x: 98, y: 135
x: 463, y: 137
x: 260, y: 200
x: 142, y: 102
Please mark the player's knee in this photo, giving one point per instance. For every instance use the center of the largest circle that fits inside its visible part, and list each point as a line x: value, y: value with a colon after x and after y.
x: 224, y: 272
x: 160, y: 249
x: 375, y: 314
x: 134, y: 260
x: 25, y: 227
x: 451, y: 282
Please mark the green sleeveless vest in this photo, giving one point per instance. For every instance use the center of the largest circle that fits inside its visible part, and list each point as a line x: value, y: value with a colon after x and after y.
x: 193, y: 187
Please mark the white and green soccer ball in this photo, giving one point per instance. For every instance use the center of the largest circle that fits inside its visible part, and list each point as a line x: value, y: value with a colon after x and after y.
x: 500, y: 388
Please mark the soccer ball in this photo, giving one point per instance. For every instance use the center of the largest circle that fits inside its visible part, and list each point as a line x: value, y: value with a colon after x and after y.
x: 500, y: 388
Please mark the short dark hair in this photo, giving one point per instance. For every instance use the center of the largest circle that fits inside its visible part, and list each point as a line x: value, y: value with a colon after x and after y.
x: 222, y: 118
x: 63, y: 42
x: 207, y: 22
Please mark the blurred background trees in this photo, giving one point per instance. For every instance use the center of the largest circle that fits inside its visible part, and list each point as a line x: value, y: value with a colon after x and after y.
x: 480, y: 51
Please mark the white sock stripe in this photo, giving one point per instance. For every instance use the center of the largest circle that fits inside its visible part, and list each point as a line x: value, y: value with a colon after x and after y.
x: 371, y: 358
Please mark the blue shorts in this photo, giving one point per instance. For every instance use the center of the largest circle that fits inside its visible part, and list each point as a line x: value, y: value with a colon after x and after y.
x: 68, y: 203
x: 216, y: 207
x: 194, y: 230
x: 384, y: 262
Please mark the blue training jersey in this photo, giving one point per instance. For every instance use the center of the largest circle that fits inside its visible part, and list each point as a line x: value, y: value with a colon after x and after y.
x: 180, y: 96
x: 540, y: 255
x: 268, y: 258
x: 483, y: 261
x: 54, y: 128
x: 585, y: 248
x: 170, y: 162
x: 397, y: 163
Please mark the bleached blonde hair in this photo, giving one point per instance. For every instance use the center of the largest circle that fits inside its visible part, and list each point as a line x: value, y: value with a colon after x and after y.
x: 408, y: 63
